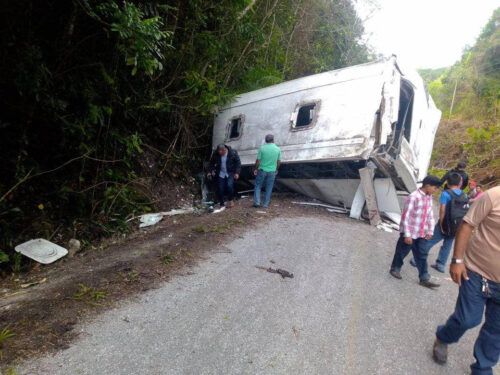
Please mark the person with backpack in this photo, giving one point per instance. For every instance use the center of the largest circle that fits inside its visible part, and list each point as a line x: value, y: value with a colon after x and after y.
x: 453, y: 206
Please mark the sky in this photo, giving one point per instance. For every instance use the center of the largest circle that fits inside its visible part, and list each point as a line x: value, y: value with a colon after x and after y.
x: 424, y: 33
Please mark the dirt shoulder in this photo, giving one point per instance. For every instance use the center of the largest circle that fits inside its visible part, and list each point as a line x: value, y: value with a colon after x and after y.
x: 42, y: 317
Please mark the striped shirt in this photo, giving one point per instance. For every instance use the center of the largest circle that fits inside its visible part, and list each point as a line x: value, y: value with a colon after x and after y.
x: 417, y: 220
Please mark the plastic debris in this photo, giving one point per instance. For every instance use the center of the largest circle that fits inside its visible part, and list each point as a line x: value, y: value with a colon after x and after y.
x: 219, y: 210
x: 330, y: 208
x: 28, y: 285
x: 152, y: 219
x: 41, y: 250
x: 385, y: 227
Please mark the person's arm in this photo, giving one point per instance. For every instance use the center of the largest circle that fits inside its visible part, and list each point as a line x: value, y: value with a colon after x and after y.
x: 430, y: 223
x: 442, y: 213
x: 278, y: 162
x: 237, y: 161
x: 409, y: 207
x: 465, y: 182
x: 458, y: 270
x: 477, y: 213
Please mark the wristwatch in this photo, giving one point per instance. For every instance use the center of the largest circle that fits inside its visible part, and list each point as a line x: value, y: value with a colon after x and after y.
x: 456, y: 261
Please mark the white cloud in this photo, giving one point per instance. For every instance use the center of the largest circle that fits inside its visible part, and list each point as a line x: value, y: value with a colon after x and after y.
x: 425, y: 33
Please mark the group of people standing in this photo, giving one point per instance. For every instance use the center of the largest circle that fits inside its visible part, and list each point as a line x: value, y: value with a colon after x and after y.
x: 473, y: 222
x: 225, y: 169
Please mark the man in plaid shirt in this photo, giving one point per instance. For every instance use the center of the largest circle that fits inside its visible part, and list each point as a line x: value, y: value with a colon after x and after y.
x: 417, y: 226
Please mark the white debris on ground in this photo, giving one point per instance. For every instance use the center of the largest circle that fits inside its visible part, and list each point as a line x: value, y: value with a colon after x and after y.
x: 154, y: 218
x: 41, y: 250
x: 330, y: 208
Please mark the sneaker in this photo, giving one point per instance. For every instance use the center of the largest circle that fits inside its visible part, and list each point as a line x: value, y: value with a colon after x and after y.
x: 429, y: 284
x: 440, y: 352
x: 438, y: 267
x: 412, y: 262
x: 255, y: 205
x: 395, y: 274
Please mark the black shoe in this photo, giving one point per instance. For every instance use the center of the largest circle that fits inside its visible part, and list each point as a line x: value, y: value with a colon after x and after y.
x: 256, y: 205
x: 429, y: 284
x: 440, y: 352
x: 438, y: 268
x: 395, y: 274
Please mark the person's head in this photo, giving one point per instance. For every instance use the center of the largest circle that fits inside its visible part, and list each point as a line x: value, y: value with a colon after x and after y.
x: 222, y: 149
x: 269, y: 138
x: 430, y: 184
x: 479, y: 188
x: 454, y: 180
x: 461, y: 165
x: 472, y: 184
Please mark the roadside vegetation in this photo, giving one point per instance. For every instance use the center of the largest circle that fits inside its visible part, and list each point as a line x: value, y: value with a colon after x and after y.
x: 107, y: 105
x: 468, y: 93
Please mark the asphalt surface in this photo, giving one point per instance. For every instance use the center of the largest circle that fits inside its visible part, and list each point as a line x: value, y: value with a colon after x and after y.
x: 342, y: 313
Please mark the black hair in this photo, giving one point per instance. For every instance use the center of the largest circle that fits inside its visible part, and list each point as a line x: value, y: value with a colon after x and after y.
x: 269, y: 138
x: 461, y: 165
x: 431, y: 180
x: 454, y: 179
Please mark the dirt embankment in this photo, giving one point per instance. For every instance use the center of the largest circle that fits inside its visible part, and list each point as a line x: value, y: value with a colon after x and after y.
x: 458, y: 140
x: 43, y: 316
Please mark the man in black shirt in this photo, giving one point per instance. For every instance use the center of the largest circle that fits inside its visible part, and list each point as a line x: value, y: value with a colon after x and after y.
x: 460, y: 169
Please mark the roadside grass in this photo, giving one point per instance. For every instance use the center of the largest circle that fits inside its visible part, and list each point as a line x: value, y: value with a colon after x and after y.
x: 89, y: 295
x: 5, y: 334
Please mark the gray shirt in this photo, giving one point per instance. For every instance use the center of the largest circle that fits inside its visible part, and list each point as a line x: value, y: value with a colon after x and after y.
x: 223, y: 167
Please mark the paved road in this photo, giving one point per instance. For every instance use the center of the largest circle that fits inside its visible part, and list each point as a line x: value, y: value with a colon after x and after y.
x: 342, y: 313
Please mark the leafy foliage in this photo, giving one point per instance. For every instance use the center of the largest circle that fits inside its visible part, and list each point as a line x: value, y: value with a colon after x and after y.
x: 103, y: 100
x: 468, y: 93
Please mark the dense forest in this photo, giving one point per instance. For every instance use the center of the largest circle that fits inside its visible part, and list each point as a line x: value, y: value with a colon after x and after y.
x: 105, y: 102
x: 468, y: 93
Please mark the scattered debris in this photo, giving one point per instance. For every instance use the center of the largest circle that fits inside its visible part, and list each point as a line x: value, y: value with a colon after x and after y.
x: 41, y: 250
x: 384, y: 226
x: 219, y: 210
x: 152, y: 219
x: 246, y: 191
x: 340, y: 210
x: 28, y: 285
x: 261, y: 212
x: 281, y: 272
x: 295, y: 332
x: 74, y: 246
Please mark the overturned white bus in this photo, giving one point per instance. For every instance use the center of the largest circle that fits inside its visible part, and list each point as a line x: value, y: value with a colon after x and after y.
x: 331, y: 125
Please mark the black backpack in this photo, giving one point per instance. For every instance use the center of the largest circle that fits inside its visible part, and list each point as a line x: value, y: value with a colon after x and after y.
x: 456, y: 209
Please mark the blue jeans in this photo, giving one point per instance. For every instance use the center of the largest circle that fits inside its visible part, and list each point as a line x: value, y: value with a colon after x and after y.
x: 420, y: 251
x: 265, y: 179
x: 445, y: 250
x: 225, y: 185
x: 471, y: 303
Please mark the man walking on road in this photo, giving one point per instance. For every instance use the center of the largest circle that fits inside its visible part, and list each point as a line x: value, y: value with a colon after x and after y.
x: 417, y: 225
x: 453, y: 205
x: 475, y: 267
x: 226, y: 167
x: 266, y: 168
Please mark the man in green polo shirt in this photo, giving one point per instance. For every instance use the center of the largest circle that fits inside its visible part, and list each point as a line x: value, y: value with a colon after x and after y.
x: 266, y: 168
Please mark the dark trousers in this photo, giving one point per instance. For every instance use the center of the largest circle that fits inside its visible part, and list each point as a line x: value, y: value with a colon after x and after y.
x: 420, y: 252
x: 473, y: 299
x: 225, y: 186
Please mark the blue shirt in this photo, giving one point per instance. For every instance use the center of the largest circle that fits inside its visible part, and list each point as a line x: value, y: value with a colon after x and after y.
x: 445, y: 197
x: 223, y: 167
